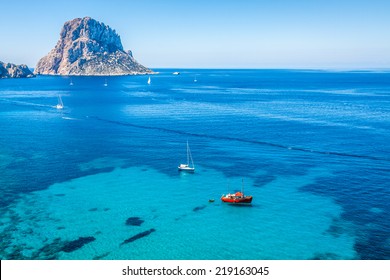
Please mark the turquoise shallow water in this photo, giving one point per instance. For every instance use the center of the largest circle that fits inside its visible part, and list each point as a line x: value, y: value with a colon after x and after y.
x: 187, y: 225
x: 99, y: 180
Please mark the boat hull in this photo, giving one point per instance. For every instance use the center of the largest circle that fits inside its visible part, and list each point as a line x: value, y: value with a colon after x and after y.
x: 237, y: 200
x: 186, y: 169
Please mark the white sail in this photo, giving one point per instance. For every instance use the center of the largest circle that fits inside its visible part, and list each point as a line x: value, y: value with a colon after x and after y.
x: 189, y: 157
x: 60, y: 105
x: 189, y: 166
x: 149, y: 81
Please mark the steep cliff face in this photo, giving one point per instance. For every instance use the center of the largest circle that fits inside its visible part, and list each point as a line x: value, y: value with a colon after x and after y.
x: 88, y: 47
x: 9, y: 70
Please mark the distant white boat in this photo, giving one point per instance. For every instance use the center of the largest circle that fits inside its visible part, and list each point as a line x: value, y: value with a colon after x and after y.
x: 176, y: 73
x: 195, y: 80
x: 71, y: 82
x: 149, y: 81
x: 60, y: 105
x: 105, y: 83
x: 187, y: 166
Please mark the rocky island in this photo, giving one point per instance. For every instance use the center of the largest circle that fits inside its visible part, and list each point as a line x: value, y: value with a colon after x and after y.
x: 10, y: 70
x: 89, y: 48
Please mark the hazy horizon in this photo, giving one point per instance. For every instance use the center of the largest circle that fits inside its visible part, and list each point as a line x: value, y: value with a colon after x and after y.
x: 214, y: 34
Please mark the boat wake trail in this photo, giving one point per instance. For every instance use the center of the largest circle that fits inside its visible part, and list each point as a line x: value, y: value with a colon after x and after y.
x: 264, y: 143
x: 27, y: 104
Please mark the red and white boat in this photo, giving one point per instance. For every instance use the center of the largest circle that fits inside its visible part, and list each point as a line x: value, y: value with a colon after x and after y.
x: 238, y: 197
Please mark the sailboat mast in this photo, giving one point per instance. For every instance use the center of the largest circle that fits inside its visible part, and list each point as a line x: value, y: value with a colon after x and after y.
x: 192, y: 161
x: 188, y: 154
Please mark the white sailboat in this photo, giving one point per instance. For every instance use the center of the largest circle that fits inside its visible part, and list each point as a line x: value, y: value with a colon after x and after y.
x: 71, y: 82
x: 105, y: 83
x: 60, y: 105
x: 149, y: 81
x: 187, y: 166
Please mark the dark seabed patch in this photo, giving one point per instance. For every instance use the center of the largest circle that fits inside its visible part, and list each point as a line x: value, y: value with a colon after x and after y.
x: 74, y: 245
x: 339, y: 227
x: 325, y: 256
x: 373, y: 245
x: 49, y: 251
x: 263, y: 180
x: 60, y: 194
x: 180, y: 217
x: 198, y: 208
x: 370, y: 228
x: 138, y: 236
x: 134, y: 221
x: 17, y: 254
x: 101, y: 256
x: 93, y: 209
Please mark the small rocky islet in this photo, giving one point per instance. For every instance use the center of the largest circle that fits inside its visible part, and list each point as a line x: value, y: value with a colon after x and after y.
x: 10, y: 70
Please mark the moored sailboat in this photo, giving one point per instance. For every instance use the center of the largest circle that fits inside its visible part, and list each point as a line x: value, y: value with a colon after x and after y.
x: 60, y: 105
x: 187, y: 166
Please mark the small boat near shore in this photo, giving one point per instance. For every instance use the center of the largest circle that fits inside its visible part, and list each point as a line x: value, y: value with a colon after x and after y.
x: 238, y: 197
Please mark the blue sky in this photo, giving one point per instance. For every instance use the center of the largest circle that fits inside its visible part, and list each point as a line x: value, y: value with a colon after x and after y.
x: 213, y: 34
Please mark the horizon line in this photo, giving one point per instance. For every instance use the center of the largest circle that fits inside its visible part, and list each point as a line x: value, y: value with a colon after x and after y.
x: 385, y: 69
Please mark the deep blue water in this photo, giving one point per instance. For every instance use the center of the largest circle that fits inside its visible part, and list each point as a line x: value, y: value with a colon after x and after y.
x: 313, y: 148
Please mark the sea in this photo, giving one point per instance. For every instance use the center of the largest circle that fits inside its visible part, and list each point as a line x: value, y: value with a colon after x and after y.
x: 98, y: 179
